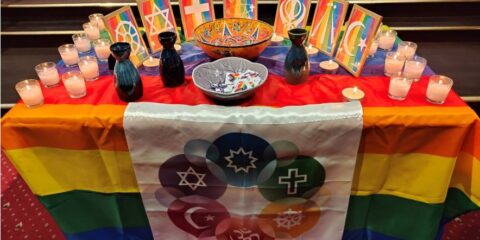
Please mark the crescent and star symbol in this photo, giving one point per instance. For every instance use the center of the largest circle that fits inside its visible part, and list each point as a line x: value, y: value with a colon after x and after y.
x: 188, y: 217
x: 347, y: 36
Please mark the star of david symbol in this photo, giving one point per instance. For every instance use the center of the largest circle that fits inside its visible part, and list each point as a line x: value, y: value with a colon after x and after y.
x: 154, y: 30
x: 191, y: 185
x: 250, y: 160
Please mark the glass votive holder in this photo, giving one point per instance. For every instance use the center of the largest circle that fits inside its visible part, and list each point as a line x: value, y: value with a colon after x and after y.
x: 30, y: 92
x: 98, y: 18
x: 75, y: 84
x: 69, y: 54
x: 102, y: 49
x: 399, y: 86
x: 387, y: 38
x: 89, y: 67
x: 92, y: 31
x: 438, y: 88
x: 407, y: 49
x: 373, y: 48
x: 82, y: 42
x: 48, y: 74
x: 393, y: 63
x: 414, y: 68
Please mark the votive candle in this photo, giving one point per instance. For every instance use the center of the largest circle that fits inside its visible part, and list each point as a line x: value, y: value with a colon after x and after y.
x: 178, y: 48
x: 75, y: 84
x: 393, y: 63
x: 399, y: 86
x: 438, y: 88
x: 276, y: 40
x: 82, y: 42
x: 373, y: 48
x: 98, y: 18
x: 48, y: 74
x: 92, y: 31
x: 329, y: 67
x: 387, y: 39
x: 102, y: 49
x: 30, y: 92
x: 151, y: 64
x: 407, y: 49
x: 353, y: 94
x: 89, y: 68
x: 414, y: 68
x: 69, y: 54
x: 311, y: 51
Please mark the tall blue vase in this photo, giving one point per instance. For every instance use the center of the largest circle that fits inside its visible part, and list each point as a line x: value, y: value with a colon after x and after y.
x: 172, y: 70
x: 127, y: 79
x: 296, y: 65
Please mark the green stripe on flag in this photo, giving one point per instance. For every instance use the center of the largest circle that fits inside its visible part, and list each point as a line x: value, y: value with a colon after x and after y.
x: 80, y: 211
x: 394, y: 216
x: 457, y: 203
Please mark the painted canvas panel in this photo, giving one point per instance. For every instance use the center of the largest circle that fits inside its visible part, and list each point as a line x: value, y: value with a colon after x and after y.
x: 194, y: 13
x: 157, y: 17
x: 359, y: 34
x: 122, y: 27
x: 240, y: 9
x: 327, y: 25
x: 291, y: 14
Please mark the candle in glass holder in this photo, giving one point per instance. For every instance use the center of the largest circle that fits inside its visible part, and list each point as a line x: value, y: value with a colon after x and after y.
x: 102, y: 49
x: 329, y: 67
x: 98, y: 18
x: 414, y: 68
x: 276, y: 40
x: 92, y: 31
x: 48, y: 74
x: 387, y: 39
x: 75, y: 84
x: 438, y: 88
x: 151, y: 64
x: 399, y: 86
x: 407, y: 49
x: 30, y: 92
x: 393, y: 63
x: 178, y: 48
x: 82, y: 42
x: 89, y: 68
x: 353, y: 94
x: 311, y: 51
x: 69, y: 54
x: 373, y: 48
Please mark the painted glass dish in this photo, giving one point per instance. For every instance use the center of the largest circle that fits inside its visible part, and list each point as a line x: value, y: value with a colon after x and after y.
x: 245, y: 38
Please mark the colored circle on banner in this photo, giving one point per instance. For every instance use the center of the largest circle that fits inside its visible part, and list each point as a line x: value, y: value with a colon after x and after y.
x: 197, y: 215
x: 248, y: 227
x: 302, y: 178
x: 242, y: 157
x: 183, y: 176
x: 291, y: 217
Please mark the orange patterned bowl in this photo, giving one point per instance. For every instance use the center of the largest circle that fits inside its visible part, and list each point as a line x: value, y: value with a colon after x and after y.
x: 239, y: 37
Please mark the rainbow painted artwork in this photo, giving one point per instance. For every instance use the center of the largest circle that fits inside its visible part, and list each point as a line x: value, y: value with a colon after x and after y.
x: 327, y: 25
x: 157, y: 17
x: 359, y: 34
x: 240, y: 9
x: 194, y: 13
x: 291, y: 14
x: 122, y: 27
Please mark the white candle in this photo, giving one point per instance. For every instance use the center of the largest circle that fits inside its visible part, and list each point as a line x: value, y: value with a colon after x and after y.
x: 69, y: 54
x: 407, y: 49
x: 48, y: 74
x: 151, y: 64
x: 393, y: 63
x: 399, y: 87
x: 89, y: 68
x: 276, y: 40
x: 75, y: 84
x: 178, y: 48
x: 82, y: 43
x: 373, y: 48
x: 414, y: 68
x: 102, y: 49
x: 329, y: 67
x: 387, y: 39
x: 438, y: 88
x: 30, y: 92
x: 353, y: 94
x: 97, y: 17
x: 311, y: 51
x: 92, y: 31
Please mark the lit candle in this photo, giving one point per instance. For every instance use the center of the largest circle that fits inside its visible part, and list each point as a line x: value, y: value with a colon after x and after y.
x: 414, y: 68
x: 178, y: 48
x: 438, y: 88
x: 151, y: 64
x: 311, y: 50
x: 407, y: 49
x: 82, y: 42
x: 92, y: 31
x: 48, y: 74
x: 276, y: 40
x: 75, y: 84
x: 399, y: 87
x: 373, y: 48
x: 329, y: 67
x: 387, y: 39
x: 98, y: 18
x: 353, y: 94
x: 69, y: 54
x: 393, y: 63
x: 30, y: 92
x: 89, y: 68
x: 102, y: 49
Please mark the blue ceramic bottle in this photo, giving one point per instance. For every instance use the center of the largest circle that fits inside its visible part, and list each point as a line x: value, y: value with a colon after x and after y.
x: 296, y: 65
x: 127, y: 79
x: 172, y: 70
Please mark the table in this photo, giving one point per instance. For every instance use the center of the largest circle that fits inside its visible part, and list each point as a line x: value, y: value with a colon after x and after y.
x: 418, y: 164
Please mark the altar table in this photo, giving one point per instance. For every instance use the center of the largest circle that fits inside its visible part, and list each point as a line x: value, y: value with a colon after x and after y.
x: 418, y: 164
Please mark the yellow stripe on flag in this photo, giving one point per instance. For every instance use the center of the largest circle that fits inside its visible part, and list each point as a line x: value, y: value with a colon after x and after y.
x: 52, y: 170
x: 466, y: 176
x: 419, y: 177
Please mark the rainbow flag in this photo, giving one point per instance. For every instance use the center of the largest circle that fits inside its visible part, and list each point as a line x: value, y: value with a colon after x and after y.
x: 327, y: 25
x: 157, y: 17
x: 291, y: 14
x: 359, y: 34
x: 194, y: 13
x: 240, y: 9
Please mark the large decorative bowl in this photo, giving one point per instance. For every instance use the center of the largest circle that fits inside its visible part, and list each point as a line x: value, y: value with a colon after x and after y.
x: 239, y: 37
x: 206, y: 74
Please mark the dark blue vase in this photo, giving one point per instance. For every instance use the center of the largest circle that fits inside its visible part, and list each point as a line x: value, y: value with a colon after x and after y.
x: 172, y: 70
x: 127, y: 79
x: 296, y: 65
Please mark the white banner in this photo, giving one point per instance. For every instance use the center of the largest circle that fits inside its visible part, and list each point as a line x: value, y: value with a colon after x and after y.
x: 244, y: 173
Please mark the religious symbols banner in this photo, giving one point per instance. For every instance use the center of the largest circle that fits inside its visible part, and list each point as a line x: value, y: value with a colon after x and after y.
x: 291, y: 14
x: 240, y: 9
x: 359, y: 34
x: 194, y: 13
x: 239, y: 173
x: 157, y: 17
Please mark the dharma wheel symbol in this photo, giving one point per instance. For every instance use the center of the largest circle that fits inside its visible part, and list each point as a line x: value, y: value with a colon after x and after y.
x: 126, y: 32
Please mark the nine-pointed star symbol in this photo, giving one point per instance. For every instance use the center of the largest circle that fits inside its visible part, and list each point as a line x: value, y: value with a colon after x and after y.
x: 249, y: 164
x: 191, y: 185
x: 151, y: 20
x: 362, y: 44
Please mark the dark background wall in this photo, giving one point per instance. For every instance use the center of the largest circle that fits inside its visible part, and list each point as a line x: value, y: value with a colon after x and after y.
x: 447, y: 33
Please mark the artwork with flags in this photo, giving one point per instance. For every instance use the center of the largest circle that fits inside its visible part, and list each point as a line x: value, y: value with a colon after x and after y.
x: 236, y: 173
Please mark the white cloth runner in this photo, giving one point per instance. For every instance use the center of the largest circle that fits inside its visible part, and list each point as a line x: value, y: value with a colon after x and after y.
x: 246, y: 173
